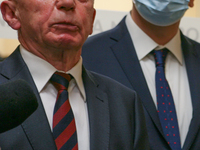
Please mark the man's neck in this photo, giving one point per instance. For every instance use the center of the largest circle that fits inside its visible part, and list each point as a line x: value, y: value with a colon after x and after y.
x: 62, y: 60
x: 159, y: 34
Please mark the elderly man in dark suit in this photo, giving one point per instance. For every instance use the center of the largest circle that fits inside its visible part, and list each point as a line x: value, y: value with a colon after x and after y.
x: 77, y: 109
x: 124, y: 53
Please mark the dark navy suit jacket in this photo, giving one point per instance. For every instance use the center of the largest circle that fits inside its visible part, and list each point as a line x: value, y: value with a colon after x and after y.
x: 116, y: 117
x: 112, y: 53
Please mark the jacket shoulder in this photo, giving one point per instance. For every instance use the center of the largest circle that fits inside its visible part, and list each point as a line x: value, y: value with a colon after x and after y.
x: 107, y: 37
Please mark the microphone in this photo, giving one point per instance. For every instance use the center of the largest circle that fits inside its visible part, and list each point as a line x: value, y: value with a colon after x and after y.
x: 17, y: 103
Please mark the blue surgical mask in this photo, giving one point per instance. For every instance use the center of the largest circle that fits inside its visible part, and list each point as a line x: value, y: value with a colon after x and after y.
x: 161, y: 12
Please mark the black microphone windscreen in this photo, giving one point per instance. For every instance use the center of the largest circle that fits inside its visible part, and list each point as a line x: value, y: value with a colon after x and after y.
x: 17, y: 103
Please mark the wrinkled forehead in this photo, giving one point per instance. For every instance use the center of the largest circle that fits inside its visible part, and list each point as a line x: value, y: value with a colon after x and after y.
x: 22, y: 1
x: 27, y: 0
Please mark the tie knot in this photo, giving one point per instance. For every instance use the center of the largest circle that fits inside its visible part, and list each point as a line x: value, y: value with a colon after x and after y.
x: 160, y: 56
x: 61, y: 80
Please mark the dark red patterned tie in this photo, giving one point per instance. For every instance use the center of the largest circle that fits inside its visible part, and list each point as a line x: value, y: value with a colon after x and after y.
x: 64, y: 128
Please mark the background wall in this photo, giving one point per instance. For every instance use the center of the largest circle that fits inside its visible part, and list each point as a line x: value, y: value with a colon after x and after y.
x: 7, y: 45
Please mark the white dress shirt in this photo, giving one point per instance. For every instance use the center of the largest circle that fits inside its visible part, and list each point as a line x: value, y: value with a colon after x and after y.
x: 41, y: 72
x: 175, y: 71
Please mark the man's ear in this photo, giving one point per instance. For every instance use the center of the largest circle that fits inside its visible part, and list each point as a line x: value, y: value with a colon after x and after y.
x: 8, y: 10
x: 94, y: 15
x: 191, y: 3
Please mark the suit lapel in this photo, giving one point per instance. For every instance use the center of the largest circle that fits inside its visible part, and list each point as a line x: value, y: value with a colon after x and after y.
x: 36, y: 127
x: 133, y: 70
x: 192, y: 61
x: 99, y: 120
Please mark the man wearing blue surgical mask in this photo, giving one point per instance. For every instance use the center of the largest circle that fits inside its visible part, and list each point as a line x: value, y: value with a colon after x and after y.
x: 126, y: 54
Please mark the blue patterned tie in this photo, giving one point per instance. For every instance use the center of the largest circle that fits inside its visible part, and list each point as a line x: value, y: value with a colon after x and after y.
x: 165, y: 102
x: 64, y: 128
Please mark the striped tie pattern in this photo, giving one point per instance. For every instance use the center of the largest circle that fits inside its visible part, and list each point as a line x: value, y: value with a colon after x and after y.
x: 64, y: 128
x: 165, y: 103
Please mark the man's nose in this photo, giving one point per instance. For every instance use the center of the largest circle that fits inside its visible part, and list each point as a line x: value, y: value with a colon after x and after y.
x: 65, y: 4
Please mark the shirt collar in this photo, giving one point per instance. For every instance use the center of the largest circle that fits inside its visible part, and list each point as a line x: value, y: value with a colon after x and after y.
x: 42, y: 71
x: 76, y: 72
x: 144, y: 44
